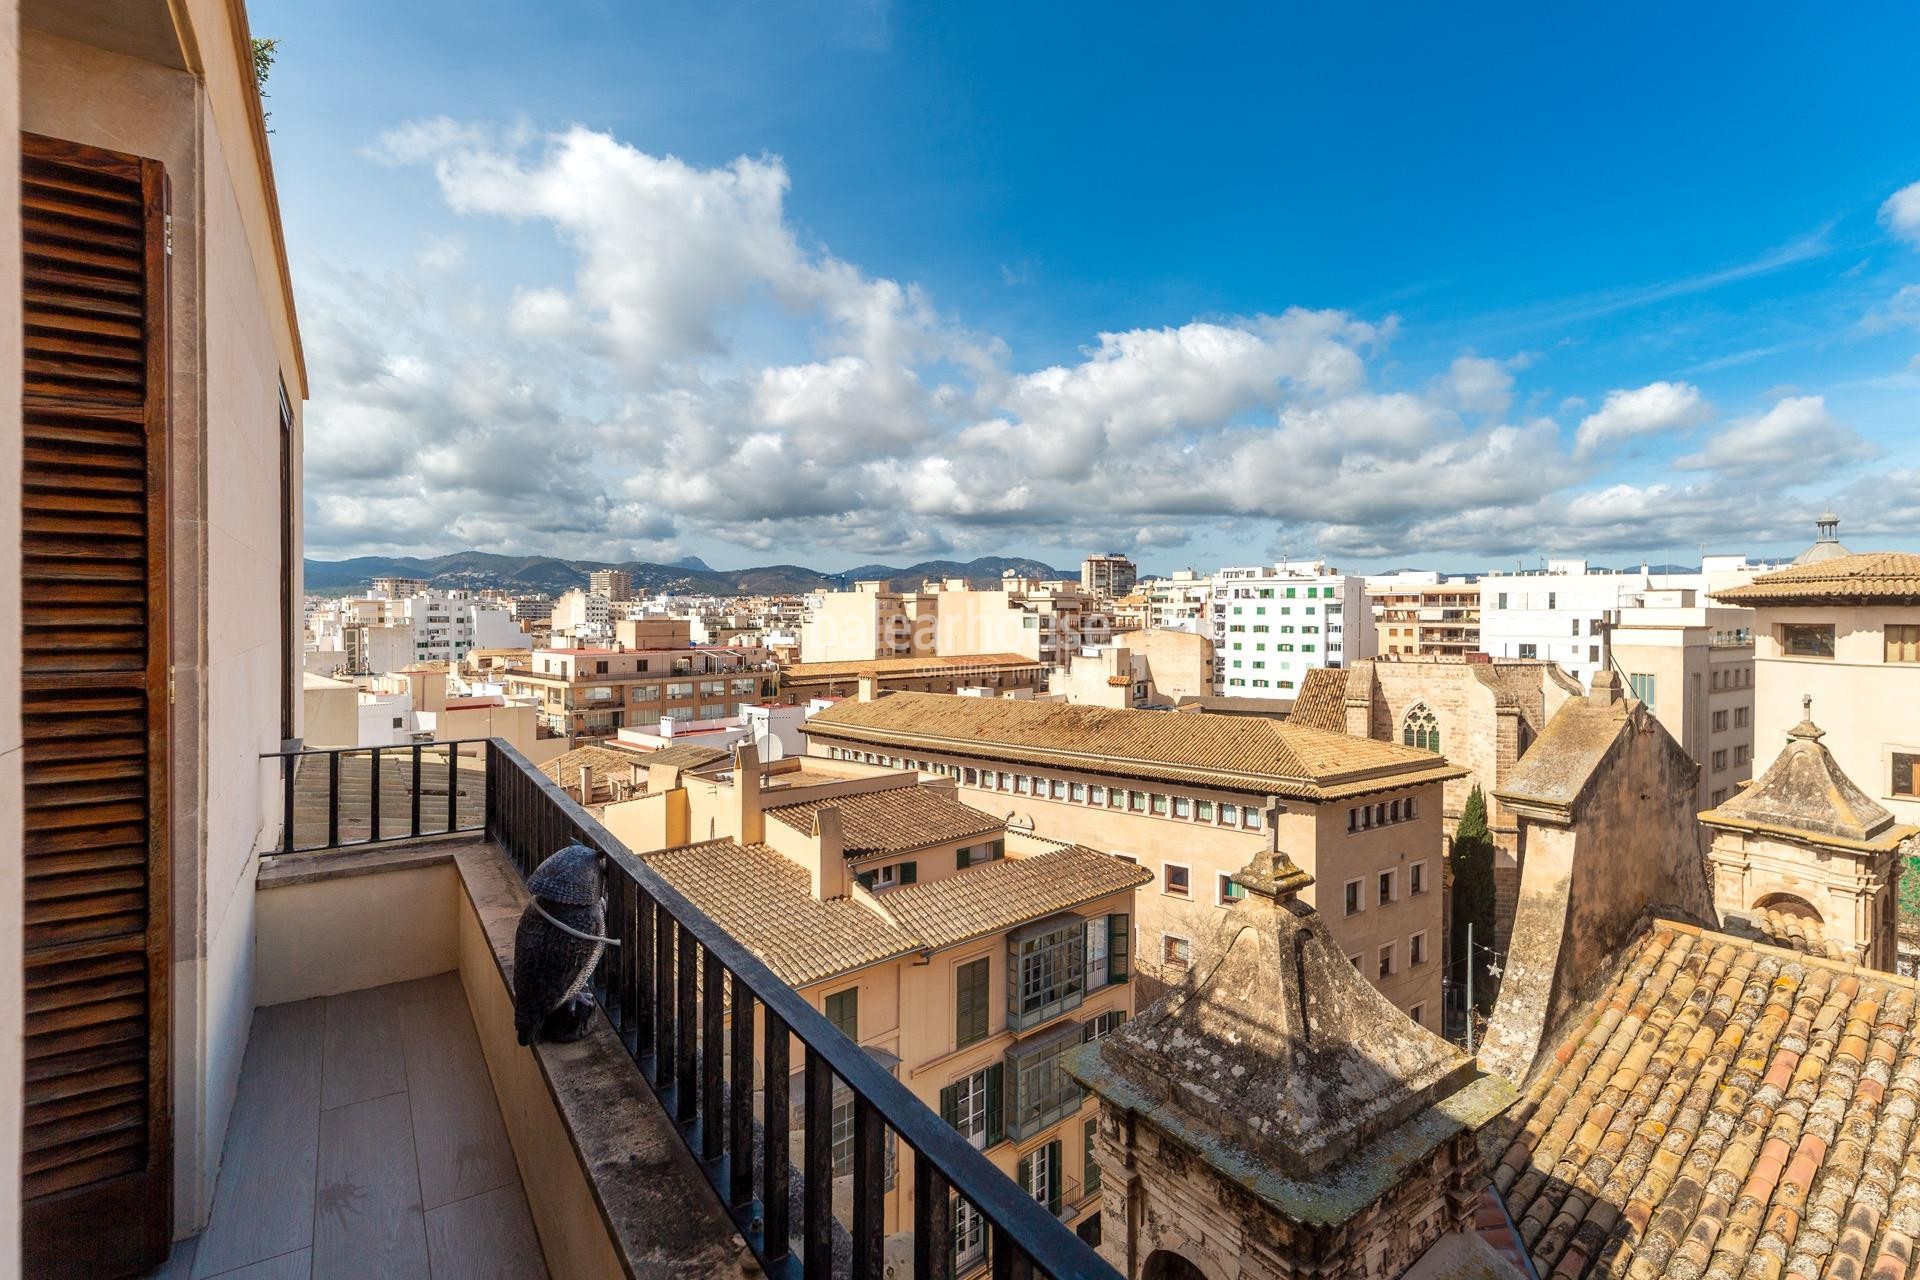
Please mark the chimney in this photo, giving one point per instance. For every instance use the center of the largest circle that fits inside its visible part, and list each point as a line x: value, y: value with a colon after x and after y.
x: 746, y: 792
x: 830, y: 879
x: 586, y: 784
x: 869, y: 685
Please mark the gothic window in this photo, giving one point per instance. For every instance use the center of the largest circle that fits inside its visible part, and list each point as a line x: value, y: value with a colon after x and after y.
x: 1420, y: 729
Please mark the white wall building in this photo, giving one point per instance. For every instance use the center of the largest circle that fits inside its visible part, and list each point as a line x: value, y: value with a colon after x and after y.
x: 1273, y: 624
x: 584, y: 617
x: 1563, y: 613
x: 1179, y: 602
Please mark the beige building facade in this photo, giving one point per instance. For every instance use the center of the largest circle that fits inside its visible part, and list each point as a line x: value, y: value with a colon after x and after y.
x: 1412, y: 619
x: 1844, y: 631
x: 595, y: 692
x: 1692, y: 664
x: 1186, y: 797
x: 988, y: 674
x: 1148, y: 668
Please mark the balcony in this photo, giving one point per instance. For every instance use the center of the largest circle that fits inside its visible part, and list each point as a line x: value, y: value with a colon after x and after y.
x: 388, y: 1124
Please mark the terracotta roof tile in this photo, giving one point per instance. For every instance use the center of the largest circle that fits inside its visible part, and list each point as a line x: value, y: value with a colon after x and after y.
x: 1724, y: 1108
x: 1010, y: 891
x: 1322, y: 700
x: 685, y: 755
x: 1245, y: 753
x: 1873, y: 577
x: 891, y: 821
x: 609, y: 766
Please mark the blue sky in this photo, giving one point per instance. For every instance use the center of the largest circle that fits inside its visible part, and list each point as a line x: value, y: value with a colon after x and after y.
x: 836, y: 282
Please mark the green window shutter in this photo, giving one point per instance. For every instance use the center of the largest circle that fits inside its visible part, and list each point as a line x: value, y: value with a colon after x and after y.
x: 950, y: 1105
x: 1090, y: 1178
x: 1053, y: 1178
x: 960, y: 860
x: 996, y: 1122
x: 909, y: 872
x: 999, y: 850
x: 970, y: 1002
x: 1025, y: 1174
x: 1119, y: 935
x: 866, y: 879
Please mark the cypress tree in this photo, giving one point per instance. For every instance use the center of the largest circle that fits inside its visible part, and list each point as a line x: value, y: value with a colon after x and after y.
x: 1473, y: 897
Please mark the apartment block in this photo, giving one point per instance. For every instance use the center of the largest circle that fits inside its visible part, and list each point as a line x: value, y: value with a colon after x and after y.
x: 593, y: 692
x: 584, y: 617
x: 1692, y: 663
x: 1180, y: 601
x: 984, y: 674
x: 1187, y: 796
x: 1414, y: 618
x: 1108, y: 575
x: 1273, y: 624
x: 614, y: 584
x: 1043, y: 621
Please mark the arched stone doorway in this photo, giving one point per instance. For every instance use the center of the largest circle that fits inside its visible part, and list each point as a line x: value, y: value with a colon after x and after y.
x: 1164, y: 1264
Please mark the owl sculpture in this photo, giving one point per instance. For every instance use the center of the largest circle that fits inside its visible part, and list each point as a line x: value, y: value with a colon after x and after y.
x: 558, y: 942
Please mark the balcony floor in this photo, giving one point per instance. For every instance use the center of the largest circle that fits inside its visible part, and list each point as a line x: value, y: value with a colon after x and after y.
x: 365, y: 1143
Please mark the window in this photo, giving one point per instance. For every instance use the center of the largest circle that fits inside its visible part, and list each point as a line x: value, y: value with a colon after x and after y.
x: 1740, y: 715
x: 1417, y: 949
x: 975, y: 854
x: 1417, y: 879
x: 1719, y: 760
x: 1096, y: 795
x: 970, y: 997
x: 1182, y: 807
x: 1529, y: 651
x: 1420, y: 728
x: 1020, y: 784
x: 1740, y: 754
x: 843, y: 1011
x: 891, y: 876
x: 1090, y: 1179
x: 971, y: 1104
x: 1250, y: 818
x: 1043, y: 1092
x: 1174, y: 880
x: 1136, y: 802
x: 1386, y: 961
x: 1719, y: 797
x: 1046, y: 970
x: 1039, y: 786
x: 1643, y: 687
x: 1719, y: 721
x: 1806, y: 639
x: 1040, y: 1175
x: 1102, y: 1025
x: 1097, y: 938
x: 1175, y: 952
x: 1500, y: 601
x: 1229, y: 815
x: 1386, y: 887
x: 1078, y: 794
x: 1160, y: 805
x: 969, y: 1237
x: 1419, y: 1014
x: 1228, y: 892
x: 1903, y: 644
x: 1355, y: 904
x: 1906, y: 774
x: 1203, y: 810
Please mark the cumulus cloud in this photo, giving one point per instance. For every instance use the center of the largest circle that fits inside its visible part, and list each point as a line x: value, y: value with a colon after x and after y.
x: 1653, y: 409
x: 1797, y: 433
x: 1901, y: 213
x: 698, y: 370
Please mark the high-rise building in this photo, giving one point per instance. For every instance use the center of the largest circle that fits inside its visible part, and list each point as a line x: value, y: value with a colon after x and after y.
x: 1108, y: 575
x: 614, y: 584
x: 1273, y: 624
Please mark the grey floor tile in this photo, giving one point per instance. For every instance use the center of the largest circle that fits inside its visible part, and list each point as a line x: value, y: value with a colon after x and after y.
x: 462, y: 1145
x: 368, y: 1223
x: 485, y: 1237
x: 179, y: 1263
x: 263, y: 1200
x: 363, y: 1054
x: 288, y: 1266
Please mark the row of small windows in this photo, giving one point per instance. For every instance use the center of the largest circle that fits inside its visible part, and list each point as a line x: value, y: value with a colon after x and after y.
x: 1386, y: 960
x: 1386, y: 887
x: 1382, y: 813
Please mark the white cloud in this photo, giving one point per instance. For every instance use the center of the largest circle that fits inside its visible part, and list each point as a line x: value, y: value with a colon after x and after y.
x: 1795, y: 439
x: 1901, y: 312
x: 1653, y: 409
x: 1901, y: 213
x: 1480, y: 385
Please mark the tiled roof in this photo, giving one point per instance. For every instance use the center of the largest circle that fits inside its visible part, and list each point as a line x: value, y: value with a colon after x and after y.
x: 1724, y: 1109
x: 1245, y: 753
x: 1805, y: 793
x: 685, y: 755
x: 1010, y: 891
x: 1322, y: 700
x: 1804, y: 934
x: 1872, y: 577
x: 926, y: 665
x: 891, y: 821
x: 765, y: 899
x: 607, y: 765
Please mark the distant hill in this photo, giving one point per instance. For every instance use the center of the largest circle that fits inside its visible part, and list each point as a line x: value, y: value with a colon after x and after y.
x: 477, y: 570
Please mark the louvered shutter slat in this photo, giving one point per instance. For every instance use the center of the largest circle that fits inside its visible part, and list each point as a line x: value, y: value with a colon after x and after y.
x: 95, y: 1142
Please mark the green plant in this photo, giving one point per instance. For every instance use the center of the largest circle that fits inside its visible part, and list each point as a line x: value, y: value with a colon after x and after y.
x: 1473, y: 897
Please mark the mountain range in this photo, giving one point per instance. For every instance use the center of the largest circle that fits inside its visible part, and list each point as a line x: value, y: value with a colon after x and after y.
x: 475, y: 570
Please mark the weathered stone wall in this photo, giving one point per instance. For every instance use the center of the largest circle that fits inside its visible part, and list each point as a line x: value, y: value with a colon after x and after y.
x: 1156, y: 1195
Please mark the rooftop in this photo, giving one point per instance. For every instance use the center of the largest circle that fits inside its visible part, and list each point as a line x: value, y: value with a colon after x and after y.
x: 1872, y: 577
x: 1804, y: 794
x: 925, y: 665
x: 892, y: 821
x: 1723, y: 1108
x: 1243, y: 753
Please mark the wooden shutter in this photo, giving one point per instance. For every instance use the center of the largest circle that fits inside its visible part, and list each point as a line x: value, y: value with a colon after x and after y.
x: 996, y: 1120
x: 97, y: 1150
x: 970, y: 1002
x: 1119, y: 942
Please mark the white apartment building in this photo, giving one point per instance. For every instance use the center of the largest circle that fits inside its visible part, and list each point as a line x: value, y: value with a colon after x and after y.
x: 378, y: 634
x: 1179, y: 602
x: 1273, y: 624
x: 585, y: 616
x: 1563, y: 613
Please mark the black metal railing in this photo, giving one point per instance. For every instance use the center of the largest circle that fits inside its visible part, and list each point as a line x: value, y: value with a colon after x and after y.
x: 692, y: 1006
x: 332, y: 797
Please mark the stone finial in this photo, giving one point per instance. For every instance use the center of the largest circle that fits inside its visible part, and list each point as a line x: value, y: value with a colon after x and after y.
x: 1807, y: 729
x: 1273, y: 874
x: 1605, y: 690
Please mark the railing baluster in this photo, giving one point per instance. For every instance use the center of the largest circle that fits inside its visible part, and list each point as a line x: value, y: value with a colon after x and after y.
x: 869, y: 1189
x: 687, y: 1037
x: 373, y: 797
x: 663, y: 1059
x: 643, y: 955
x: 713, y: 1056
x: 453, y: 787
x: 333, y: 799
x: 816, y: 1171
x: 776, y: 1165
x: 932, y: 1221
x: 414, y: 828
x: 740, y: 1104
x: 289, y: 765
